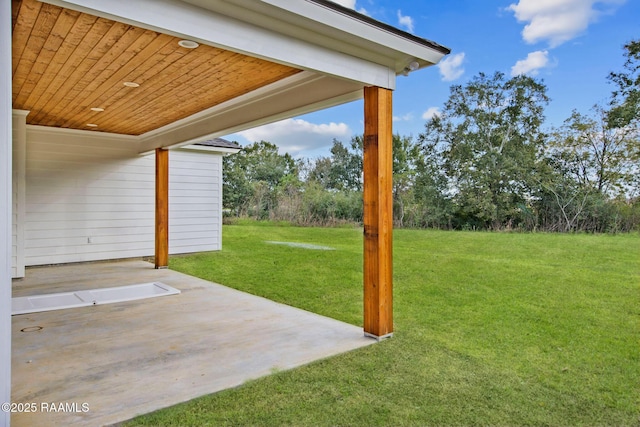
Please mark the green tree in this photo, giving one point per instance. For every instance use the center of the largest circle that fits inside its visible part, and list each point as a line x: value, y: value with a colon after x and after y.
x: 490, y: 136
x: 595, y: 155
x: 433, y: 205
x: 253, y: 177
x: 236, y: 186
x: 346, y: 165
x: 562, y: 199
x: 625, y: 102
x: 403, y: 175
x: 342, y: 171
x: 319, y: 172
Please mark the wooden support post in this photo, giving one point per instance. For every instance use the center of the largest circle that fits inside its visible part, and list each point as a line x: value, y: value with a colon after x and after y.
x: 378, y: 212
x: 162, y: 208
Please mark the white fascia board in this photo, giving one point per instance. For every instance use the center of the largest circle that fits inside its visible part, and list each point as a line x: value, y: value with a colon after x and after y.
x: 352, y: 29
x: 213, y: 150
x: 206, y: 26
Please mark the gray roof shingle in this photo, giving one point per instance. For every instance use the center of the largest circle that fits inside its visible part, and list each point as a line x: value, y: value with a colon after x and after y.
x: 219, y: 142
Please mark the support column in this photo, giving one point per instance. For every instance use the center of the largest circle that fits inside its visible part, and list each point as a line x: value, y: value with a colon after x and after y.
x: 378, y: 213
x: 19, y: 189
x: 5, y: 208
x: 162, y: 208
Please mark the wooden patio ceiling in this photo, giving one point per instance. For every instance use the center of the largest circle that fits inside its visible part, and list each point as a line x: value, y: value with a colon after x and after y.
x: 66, y: 62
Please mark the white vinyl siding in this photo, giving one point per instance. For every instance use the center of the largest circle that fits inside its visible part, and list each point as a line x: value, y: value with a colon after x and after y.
x: 93, y: 198
x: 87, y: 199
x: 195, y: 198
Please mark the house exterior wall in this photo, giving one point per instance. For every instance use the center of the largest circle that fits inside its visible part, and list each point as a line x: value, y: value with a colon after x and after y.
x: 195, y: 201
x: 91, y: 197
x: 88, y: 198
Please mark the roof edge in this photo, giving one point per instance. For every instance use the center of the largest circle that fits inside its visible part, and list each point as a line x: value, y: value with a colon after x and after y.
x: 381, y: 25
x: 219, y: 143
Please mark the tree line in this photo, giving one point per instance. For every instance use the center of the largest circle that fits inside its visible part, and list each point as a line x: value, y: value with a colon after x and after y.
x: 484, y: 163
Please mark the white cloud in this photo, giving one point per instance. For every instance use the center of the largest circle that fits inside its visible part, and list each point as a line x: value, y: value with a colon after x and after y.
x: 431, y: 113
x: 404, y: 118
x: 558, y: 21
x: 533, y: 62
x: 451, y: 67
x: 351, y: 4
x: 405, y: 21
x: 294, y: 136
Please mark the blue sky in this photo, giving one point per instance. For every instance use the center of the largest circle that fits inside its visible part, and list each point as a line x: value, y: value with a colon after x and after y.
x: 571, y: 45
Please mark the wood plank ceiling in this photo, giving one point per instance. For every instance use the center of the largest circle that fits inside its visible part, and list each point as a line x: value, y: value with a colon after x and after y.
x: 65, y: 63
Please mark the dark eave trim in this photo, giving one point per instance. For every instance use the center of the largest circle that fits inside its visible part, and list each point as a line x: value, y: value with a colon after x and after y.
x: 220, y: 143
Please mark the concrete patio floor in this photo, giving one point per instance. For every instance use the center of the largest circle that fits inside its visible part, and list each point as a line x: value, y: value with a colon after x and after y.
x: 125, y: 359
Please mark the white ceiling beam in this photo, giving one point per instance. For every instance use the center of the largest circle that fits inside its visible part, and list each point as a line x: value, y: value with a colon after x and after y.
x: 300, y: 94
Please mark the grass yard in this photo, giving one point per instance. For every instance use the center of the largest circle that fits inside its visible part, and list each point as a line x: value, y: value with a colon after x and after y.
x: 490, y: 329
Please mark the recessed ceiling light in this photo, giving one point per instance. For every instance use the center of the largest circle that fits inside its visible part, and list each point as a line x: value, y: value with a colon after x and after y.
x: 97, y: 109
x: 131, y: 84
x: 189, y: 44
x: 92, y: 125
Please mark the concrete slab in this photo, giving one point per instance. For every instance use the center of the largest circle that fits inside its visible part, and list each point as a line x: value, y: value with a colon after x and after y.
x: 100, y: 365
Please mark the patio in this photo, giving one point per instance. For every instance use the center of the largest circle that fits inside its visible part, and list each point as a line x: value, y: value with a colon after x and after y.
x: 109, y: 363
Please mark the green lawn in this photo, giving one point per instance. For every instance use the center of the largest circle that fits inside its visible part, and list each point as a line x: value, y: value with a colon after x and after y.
x: 490, y: 329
